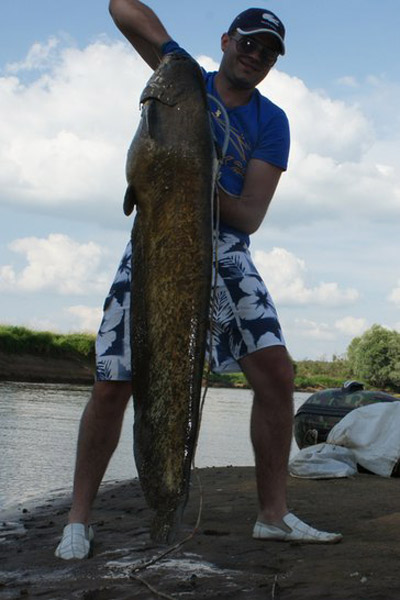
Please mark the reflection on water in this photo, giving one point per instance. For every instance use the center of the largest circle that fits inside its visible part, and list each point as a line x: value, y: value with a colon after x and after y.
x: 39, y: 427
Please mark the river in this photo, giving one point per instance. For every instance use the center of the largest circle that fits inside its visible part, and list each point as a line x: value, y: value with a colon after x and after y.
x: 38, y: 431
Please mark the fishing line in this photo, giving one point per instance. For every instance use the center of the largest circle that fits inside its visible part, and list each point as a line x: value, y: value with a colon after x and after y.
x: 215, y: 211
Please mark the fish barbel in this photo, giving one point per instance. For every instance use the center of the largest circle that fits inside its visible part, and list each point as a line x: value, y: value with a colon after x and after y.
x: 170, y: 173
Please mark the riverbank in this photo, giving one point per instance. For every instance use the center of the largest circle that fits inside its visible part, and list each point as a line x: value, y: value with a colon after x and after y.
x: 32, y: 368
x: 221, y: 560
x: 47, y: 357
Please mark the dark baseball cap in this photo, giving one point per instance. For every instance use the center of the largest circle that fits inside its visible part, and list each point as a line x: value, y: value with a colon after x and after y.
x: 259, y: 20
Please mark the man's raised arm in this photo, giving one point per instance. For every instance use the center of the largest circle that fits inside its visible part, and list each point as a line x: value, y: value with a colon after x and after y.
x: 141, y: 26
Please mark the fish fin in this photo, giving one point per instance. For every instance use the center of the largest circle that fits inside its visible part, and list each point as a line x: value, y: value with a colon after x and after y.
x: 129, y: 199
x: 167, y: 524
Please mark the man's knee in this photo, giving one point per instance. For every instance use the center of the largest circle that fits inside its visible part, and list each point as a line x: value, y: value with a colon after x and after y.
x: 110, y: 397
x: 281, y: 370
x: 269, y: 368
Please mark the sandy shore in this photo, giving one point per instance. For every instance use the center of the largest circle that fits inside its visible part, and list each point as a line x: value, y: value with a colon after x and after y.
x: 221, y: 560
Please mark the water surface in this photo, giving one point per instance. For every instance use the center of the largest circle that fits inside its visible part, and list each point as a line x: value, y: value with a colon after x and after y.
x: 39, y: 427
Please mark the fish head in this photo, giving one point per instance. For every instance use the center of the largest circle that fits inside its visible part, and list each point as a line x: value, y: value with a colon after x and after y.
x: 171, y: 81
x: 174, y: 127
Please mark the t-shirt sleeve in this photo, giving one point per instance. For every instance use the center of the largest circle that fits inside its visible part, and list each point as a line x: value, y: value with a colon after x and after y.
x: 274, y: 141
x: 171, y: 47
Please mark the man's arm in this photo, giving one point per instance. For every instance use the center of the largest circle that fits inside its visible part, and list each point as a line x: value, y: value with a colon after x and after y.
x: 141, y: 26
x: 247, y: 211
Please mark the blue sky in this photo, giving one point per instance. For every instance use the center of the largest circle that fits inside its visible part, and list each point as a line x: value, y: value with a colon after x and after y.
x: 69, y: 89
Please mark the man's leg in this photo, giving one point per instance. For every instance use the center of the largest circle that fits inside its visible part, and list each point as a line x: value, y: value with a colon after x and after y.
x: 99, y: 434
x: 270, y: 373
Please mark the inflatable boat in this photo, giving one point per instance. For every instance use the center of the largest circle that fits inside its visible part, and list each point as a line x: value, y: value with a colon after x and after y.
x: 316, y: 417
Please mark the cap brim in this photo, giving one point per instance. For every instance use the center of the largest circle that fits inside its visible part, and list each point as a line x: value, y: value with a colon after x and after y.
x: 263, y: 30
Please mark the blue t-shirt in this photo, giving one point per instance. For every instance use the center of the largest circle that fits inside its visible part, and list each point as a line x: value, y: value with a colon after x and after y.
x: 258, y: 129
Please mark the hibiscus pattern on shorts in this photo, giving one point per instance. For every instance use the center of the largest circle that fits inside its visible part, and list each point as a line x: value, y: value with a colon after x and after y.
x: 113, y: 353
x: 244, y: 318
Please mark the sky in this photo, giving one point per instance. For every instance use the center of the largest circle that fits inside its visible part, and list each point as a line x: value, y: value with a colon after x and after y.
x: 69, y: 104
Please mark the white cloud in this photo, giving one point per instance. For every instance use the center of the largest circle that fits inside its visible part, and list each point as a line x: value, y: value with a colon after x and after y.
x: 327, y: 332
x: 7, y: 277
x: 285, y: 273
x: 56, y: 263
x: 68, y: 126
x: 351, y: 326
x: 394, y: 296
x: 320, y: 125
x: 209, y: 64
x: 42, y: 324
x: 341, y: 161
x: 39, y: 56
x: 64, y: 141
x: 306, y: 328
x: 86, y: 318
x: 348, y: 81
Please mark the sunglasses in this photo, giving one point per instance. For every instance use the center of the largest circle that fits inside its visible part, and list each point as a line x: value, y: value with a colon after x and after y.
x: 248, y: 45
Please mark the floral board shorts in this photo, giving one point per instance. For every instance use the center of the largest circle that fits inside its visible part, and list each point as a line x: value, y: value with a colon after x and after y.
x: 244, y: 318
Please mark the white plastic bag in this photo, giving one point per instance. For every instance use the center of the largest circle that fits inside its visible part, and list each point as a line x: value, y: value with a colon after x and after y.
x: 323, y: 461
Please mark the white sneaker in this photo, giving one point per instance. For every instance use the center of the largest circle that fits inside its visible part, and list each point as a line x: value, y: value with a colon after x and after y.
x: 294, y: 530
x: 76, y: 542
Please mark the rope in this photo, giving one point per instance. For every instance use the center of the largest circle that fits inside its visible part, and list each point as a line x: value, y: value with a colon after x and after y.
x: 226, y: 119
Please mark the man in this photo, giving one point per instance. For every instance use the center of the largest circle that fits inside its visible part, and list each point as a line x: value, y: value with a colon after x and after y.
x: 247, y: 331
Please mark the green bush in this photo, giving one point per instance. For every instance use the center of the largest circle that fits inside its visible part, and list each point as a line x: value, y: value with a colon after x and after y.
x: 318, y: 382
x: 374, y: 357
x: 338, y: 368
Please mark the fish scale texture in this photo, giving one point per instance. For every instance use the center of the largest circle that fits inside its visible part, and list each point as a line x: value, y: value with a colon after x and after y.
x: 170, y: 168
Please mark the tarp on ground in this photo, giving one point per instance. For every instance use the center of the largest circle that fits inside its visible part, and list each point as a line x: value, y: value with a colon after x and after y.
x: 372, y: 433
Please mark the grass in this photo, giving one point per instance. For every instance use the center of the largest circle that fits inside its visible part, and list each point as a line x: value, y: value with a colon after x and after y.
x: 318, y: 374
x: 20, y: 340
x: 228, y: 380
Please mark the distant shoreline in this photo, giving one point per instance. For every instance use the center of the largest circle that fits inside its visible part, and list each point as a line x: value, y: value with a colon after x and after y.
x: 47, y: 357
x: 30, y: 368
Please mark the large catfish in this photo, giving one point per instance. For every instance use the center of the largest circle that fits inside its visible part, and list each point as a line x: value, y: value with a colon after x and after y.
x: 170, y: 172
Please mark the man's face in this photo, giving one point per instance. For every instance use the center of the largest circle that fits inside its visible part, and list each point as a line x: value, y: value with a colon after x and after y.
x: 248, y: 59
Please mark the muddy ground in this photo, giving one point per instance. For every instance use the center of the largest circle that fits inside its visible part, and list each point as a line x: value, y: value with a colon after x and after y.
x: 221, y: 560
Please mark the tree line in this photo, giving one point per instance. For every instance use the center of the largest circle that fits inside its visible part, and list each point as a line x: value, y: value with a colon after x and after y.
x: 373, y: 358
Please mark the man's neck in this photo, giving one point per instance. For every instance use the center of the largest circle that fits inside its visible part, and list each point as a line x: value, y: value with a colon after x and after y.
x: 230, y: 95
